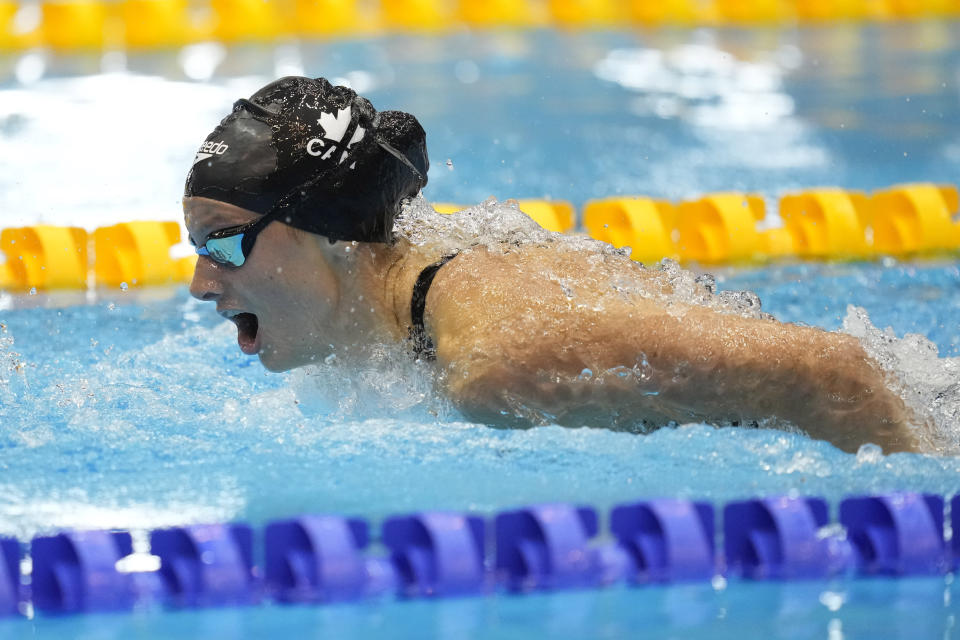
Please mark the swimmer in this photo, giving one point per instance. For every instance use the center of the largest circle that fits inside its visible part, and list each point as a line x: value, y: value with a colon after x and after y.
x: 291, y: 204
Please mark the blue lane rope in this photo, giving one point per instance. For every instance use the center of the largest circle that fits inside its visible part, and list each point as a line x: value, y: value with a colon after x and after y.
x: 327, y: 558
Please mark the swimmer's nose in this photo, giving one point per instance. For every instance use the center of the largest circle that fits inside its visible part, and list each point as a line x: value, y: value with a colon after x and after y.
x: 205, y: 284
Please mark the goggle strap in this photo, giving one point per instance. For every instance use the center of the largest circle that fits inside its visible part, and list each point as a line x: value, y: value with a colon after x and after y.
x: 253, y: 108
x: 250, y: 235
x: 403, y: 159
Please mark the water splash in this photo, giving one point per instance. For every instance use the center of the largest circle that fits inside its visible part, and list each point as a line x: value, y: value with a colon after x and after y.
x: 13, y: 379
x: 489, y: 223
x: 603, y: 269
x: 928, y: 384
x: 700, y: 289
x: 375, y: 381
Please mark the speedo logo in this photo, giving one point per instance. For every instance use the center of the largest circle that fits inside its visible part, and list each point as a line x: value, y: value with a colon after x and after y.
x: 210, y: 149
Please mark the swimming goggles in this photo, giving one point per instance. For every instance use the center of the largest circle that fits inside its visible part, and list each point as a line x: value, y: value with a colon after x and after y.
x: 233, y: 245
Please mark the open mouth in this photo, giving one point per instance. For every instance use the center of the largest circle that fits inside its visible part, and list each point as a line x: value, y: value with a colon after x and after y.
x: 247, y: 331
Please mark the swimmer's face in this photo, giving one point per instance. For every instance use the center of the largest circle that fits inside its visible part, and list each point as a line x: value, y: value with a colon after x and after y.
x: 284, y: 298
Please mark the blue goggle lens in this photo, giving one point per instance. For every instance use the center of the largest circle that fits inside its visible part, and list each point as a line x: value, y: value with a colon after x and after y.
x: 228, y: 250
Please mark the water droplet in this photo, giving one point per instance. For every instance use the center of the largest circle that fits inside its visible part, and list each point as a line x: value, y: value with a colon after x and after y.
x: 708, y: 281
x: 124, y: 286
x: 33, y: 291
x: 450, y: 164
x: 869, y: 453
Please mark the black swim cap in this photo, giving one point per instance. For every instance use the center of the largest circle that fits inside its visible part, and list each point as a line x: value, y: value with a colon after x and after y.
x: 321, y: 153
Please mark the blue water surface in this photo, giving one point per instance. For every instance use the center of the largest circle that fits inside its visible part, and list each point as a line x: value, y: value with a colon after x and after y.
x: 158, y: 420
x: 907, y: 608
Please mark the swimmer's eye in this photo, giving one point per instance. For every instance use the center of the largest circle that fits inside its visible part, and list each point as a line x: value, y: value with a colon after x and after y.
x: 233, y: 245
x: 224, y: 247
x: 226, y: 250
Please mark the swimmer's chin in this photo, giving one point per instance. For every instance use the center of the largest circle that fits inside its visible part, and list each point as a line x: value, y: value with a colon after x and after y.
x: 275, y: 367
x: 275, y: 362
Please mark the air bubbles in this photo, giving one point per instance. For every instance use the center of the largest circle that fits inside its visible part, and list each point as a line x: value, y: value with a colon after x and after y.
x: 869, y: 453
x: 491, y: 222
x: 124, y: 287
x: 369, y: 382
x: 684, y: 287
x: 925, y: 382
x: 707, y: 281
x: 744, y: 302
x: 449, y: 164
x: 33, y: 291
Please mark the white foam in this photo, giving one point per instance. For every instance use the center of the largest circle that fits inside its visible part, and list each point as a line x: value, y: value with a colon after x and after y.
x: 928, y: 384
x: 490, y: 222
x: 374, y: 381
x: 494, y: 224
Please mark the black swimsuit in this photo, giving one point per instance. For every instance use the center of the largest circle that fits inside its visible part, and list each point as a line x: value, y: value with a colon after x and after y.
x: 423, y: 346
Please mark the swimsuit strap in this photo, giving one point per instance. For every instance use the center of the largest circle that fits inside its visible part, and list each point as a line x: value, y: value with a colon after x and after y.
x: 423, y: 346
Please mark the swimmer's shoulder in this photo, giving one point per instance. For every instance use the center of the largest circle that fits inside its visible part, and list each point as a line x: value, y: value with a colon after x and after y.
x: 511, y: 278
x: 489, y: 275
x: 505, y: 298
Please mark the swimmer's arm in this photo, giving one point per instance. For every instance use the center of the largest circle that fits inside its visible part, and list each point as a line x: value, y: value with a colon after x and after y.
x: 687, y: 364
x: 726, y: 367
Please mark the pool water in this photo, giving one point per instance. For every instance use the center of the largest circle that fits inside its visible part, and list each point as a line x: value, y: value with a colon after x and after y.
x: 907, y: 608
x: 144, y: 413
x: 135, y: 409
